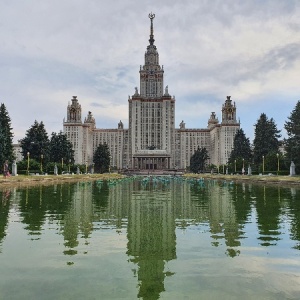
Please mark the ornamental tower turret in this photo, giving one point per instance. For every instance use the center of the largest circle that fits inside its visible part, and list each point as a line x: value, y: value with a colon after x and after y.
x: 228, y: 129
x: 74, y: 111
x: 73, y: 128
x: 229, y: 112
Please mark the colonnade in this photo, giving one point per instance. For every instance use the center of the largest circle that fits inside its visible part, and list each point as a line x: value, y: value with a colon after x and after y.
x: 151, y: 163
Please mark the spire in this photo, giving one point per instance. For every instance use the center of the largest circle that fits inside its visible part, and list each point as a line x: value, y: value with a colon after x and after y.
x: 151, y: 17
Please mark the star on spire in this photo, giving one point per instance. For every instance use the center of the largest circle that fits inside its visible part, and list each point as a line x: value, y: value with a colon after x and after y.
x: 151, y: 17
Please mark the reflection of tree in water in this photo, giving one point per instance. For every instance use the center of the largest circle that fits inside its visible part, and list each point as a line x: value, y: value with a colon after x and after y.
x: 4, y: 212
x: 33, y: 209
x: 214, y: 200
x: 201, y: 194
x: 101, y: 195
x: 151, y: 239
x: 78, y: 219
x: 241, y: 199
x: 268, y: 215
x: 294, y: 206
x: 36, y: 203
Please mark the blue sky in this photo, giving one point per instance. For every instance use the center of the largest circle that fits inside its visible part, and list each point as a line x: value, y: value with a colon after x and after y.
x: 52, y: 50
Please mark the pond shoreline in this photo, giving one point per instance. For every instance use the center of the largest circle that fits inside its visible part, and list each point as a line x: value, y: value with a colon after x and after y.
x: 23, y: 180
x: 257, y: 179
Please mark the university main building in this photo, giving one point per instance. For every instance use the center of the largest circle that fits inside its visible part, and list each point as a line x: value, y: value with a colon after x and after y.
x: 151, y: 140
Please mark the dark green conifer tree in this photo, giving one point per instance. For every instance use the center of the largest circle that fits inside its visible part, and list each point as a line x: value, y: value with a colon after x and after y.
x: 6, y: 137
x: 292, y: 143
x: 241, y: 155
x: 266, y: 138
x: 36, y: 142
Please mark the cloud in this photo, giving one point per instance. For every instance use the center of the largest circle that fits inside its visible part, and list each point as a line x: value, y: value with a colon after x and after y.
x: 52, y: 50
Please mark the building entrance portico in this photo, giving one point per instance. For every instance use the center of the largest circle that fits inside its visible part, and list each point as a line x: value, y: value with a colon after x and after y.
x: 151, y: 160
x: 151, y: 163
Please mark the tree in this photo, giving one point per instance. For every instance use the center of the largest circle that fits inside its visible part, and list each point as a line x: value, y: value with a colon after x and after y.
x: 102, y: 158
x: 36, y: 142
x: 6, y: 136
x: 198, y: 159
x: 292, y: 143
x: 274, y: 162
x: 241, y: 154
x: 266, y: 138
x: 60, y: 148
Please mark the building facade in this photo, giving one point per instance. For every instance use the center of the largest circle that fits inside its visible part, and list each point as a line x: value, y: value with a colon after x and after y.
x: 151, y: 141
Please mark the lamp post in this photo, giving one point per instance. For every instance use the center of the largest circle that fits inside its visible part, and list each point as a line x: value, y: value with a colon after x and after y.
x: 62, y: 164
x: 69, y: 165
x: 235, y: 166
x: 277, y: 163
x: 263, y: 157
x: 42, y: 156
x: 28, y: 155
x: 86, y: 167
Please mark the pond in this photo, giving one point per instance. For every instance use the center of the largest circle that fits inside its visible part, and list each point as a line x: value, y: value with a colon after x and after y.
x: 150, y: 238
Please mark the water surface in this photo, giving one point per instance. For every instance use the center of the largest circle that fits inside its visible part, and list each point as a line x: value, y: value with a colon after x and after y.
x: 158, y: 238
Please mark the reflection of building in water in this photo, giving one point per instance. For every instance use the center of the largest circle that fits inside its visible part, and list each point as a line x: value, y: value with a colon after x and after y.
x: 222, y: 216
x: 151, y: 237
x: 208, y: 203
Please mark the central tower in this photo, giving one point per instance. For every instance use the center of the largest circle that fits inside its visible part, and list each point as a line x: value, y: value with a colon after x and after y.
x: 151, y: 73
x: 151, y: 115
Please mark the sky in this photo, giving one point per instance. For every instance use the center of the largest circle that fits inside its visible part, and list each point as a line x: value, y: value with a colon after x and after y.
x: 52, y: 50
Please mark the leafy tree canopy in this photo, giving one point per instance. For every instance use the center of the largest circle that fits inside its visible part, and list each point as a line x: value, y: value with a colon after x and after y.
x: 60, y: 148
x: 198, y: 160
x: 36, y: 142
x: 6, y: 136
x: 266, y: 138
x: 102, y: 158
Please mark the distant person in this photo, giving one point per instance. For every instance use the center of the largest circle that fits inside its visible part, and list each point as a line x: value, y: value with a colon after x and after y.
x: 5, y: 169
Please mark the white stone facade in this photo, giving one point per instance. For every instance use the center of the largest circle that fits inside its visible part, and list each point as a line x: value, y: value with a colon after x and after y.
x: 151, y: 140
